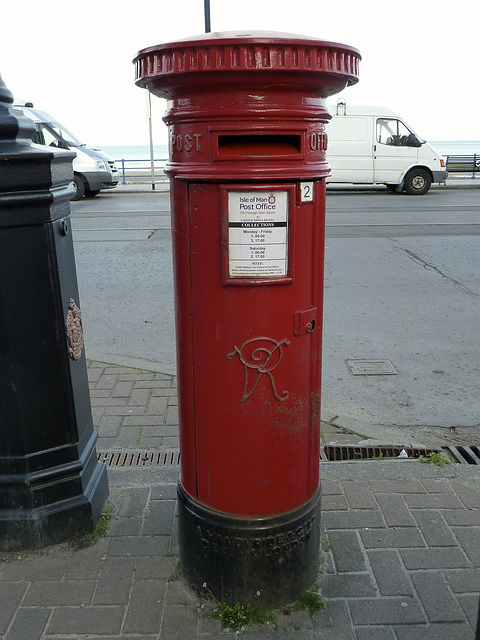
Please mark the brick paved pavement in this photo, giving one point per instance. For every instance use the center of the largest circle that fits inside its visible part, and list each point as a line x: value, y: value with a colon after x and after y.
x: 133, y: 408
x: 400, y: 539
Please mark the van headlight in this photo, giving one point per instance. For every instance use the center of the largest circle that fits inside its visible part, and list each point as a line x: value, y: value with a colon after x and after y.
x: 101, y: 165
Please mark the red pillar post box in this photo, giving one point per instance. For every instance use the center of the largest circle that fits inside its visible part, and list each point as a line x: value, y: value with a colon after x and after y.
x: 247, y: 122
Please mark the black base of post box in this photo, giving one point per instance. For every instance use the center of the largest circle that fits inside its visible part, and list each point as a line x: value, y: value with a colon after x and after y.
x: 267, y: 562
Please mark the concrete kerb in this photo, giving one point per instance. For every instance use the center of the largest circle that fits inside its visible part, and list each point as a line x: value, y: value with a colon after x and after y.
x: 141, y: 187
x: 339, y: 432
x: 168, y: 368
x: 463, y: 182
x: 330, y: 433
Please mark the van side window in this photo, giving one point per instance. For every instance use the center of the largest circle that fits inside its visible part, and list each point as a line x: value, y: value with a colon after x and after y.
x: 37, y: 137
x: 393, y: 132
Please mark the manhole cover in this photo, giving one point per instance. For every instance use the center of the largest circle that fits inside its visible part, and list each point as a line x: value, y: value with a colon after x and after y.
x: 371, y: 367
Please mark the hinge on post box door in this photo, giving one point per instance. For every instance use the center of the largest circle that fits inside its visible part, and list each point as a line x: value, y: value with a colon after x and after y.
x: 304, y: 322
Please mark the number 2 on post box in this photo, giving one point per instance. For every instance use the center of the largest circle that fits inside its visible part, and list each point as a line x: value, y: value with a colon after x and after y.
x: 258, y: 224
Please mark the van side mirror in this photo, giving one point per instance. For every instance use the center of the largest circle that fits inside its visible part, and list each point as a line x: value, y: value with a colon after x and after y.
x: 413, y: 141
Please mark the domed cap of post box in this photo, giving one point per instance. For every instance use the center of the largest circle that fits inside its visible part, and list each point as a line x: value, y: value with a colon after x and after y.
x: 217, y: 61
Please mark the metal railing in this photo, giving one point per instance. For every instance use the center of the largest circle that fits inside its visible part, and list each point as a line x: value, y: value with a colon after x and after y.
x: 140, y: 169
x: 463, y: 164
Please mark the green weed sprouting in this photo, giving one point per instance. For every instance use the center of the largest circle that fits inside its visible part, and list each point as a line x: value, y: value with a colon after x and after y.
x: 176, y: 571
x: 311, y: 600
x: 435, y: 458
x: 103, y: 524
x: 236, y: 616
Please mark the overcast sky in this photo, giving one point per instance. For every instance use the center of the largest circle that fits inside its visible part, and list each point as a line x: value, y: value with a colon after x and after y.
x: 74, y: 60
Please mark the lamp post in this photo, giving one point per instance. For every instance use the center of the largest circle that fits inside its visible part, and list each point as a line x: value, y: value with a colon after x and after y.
x: 207, y: 16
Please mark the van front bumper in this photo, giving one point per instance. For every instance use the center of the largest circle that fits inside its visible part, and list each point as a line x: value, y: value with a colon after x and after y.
x: 101, y: 180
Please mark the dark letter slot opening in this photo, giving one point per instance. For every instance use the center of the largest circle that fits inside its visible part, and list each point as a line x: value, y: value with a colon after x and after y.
x: 259, y: 145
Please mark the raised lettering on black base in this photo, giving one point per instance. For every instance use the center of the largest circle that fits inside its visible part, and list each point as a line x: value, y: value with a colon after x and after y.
x: 238, y: 557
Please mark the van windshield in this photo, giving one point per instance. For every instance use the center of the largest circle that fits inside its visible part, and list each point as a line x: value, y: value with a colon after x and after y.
x: 394, y: 132
x: 60, y: 131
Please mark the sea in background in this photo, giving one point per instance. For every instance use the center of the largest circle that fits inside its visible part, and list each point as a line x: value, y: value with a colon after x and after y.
x: 137, y: 152
x: 160, y: 152
x: 456, y: 147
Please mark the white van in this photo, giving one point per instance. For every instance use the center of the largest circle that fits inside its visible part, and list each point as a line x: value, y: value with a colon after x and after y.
x: 372, y: 145
x: 93, y: 170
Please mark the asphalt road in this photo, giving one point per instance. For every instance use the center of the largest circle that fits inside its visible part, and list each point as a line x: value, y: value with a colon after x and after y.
x: 402, y: 292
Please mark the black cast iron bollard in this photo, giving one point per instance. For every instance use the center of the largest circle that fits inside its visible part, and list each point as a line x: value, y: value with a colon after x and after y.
x: 52, y: 488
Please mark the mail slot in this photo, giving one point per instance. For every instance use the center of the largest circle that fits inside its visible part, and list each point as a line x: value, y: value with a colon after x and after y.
x: 259, y: 146
x: 247, y: 122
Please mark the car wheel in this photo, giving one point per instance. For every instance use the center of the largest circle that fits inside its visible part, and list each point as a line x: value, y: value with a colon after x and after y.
x: 417, y: 182
x: 79, y: 188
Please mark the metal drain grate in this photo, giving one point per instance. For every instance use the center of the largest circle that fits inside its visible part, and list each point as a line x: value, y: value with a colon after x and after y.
x: 334, y: 453
x: 468, y: 455
x: 140, y: 458
x: 328, y: 453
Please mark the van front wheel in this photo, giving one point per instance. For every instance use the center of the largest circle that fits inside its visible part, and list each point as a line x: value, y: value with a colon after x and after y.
x: 79, y: 188
x: 417, y: 182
